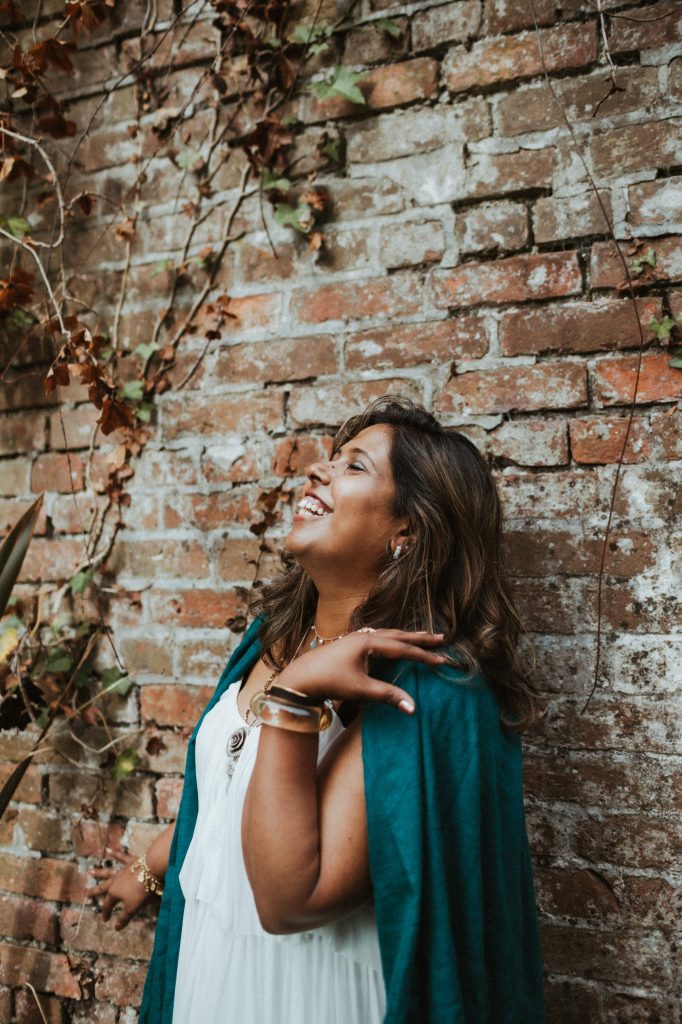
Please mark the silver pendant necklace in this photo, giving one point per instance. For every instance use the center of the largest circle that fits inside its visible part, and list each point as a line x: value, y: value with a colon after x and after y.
x: 318, y: 640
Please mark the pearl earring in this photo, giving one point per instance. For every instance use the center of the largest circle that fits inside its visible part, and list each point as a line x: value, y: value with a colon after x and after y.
x: 396, y: 553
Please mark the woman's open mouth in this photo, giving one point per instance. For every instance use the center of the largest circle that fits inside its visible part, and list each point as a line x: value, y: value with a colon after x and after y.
x: 311, y: 508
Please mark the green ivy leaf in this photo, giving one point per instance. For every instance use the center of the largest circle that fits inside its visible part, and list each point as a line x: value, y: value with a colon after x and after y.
x: 300, y: 217
x: 145, y: 350
x: 116, y: 681
x: 637, y: 265
x: 19, y: 318
x: 80, y: 581
x: 18, y: 226
x: 662, y: 328
x: 305, y: 35
x: 675, y: 358
x: 58, y: 660
x: 391, y: 27
x: 331, y: 149
x: 133, y: 390
x: 186, y: 159
x: 160, y: 267
x: 126, y: 762
x: 342, y: 84
x: 270, y: 180
x: 144, y: 412
x: 106, y: 354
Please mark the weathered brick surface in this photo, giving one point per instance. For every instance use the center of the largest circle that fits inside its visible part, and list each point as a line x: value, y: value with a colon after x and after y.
x: 468, y: 263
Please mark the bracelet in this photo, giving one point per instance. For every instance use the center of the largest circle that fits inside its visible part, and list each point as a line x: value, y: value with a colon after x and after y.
x: 288, y: 709
x: 150, y: 882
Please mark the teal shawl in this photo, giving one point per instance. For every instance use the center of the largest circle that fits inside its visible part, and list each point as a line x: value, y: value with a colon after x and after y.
x: 449, y: 859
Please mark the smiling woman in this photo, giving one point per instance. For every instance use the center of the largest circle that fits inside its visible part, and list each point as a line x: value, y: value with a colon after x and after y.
x: 351, y: 843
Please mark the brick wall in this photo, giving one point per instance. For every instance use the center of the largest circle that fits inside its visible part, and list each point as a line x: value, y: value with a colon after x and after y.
x: 468, y: 265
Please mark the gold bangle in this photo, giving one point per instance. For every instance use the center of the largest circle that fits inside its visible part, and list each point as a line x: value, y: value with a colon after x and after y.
x: 284, y: 712
x: 149, y: 881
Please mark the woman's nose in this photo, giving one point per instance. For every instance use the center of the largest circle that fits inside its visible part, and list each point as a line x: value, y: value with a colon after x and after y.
x: 320, y: 471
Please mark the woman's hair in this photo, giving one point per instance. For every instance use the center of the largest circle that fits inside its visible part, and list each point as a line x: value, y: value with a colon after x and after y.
x: 450, y: 578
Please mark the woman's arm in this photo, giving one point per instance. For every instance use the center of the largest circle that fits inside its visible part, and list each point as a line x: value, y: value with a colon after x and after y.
x: 304, y: 831
x: 122, y: 885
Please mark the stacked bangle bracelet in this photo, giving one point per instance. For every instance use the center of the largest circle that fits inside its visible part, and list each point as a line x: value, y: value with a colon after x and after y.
x: 150, y: 882
x: 288, y: 709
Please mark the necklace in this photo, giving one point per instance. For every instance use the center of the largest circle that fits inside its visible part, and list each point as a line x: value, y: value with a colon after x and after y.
x: 237, y: 738
x: 319, y: 640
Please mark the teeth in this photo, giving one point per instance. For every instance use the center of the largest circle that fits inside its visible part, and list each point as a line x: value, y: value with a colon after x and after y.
x: 312, y: 506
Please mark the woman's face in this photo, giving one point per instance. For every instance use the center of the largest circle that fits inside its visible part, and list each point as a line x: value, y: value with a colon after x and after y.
x: 345, y: 519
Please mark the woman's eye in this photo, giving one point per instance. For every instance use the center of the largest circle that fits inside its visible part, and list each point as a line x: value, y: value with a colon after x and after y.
x: 356, y: 465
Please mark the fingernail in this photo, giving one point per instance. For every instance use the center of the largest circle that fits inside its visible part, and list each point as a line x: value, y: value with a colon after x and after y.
x: 406, y: 705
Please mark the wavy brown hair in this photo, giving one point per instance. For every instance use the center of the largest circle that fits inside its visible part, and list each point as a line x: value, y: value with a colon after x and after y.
x: 450, y: 579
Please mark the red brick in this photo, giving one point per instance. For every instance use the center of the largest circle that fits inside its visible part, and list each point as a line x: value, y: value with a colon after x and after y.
x: 447, y: 23
x: 53, y: 559
x: 492, y: 227
x: 531, y: 442
x: 22, y: 432
x: 92, y: 837
x: 25, y: 390
x: 633, y: 723
x: 294, y: 454
x: 47, y: 972
x: 506, y: 16
x: 332, y: 404
x: 240, y: 506
x: 86, y: 931
x: 552, y: 552
x: 232, y: 462
x: 29, y: 789
x: 174, y: 704
x: 366, y: 197
x: 614, y: 379
x: 384, y: 87
x: 50, y: 879
x: 498, y: 60
x: 252, y: 311
x: 368, y: 44
x: 168, y: 794
x: 79, y: 791
x: 492, y: 174
x: 573, y: 217
x: 576, y: 326
x: 630, y: 840
x: 637, y: 147
x: 162, y: 558
x: 163, y: 750
x: 78, y: 424
x: 11, y: 512
x: 675, y: 79
x: 48, y: 1009
x: 67, y: 517
x: 531, y: 109
x: 510, y: 280
x: 54, y: 472
x: 27, y: 919
x: 642, y: 27
x: 14, y: 477
x: 119, y: 981
x: 507, y: 388
x: 607, y: 269
x: 551, y: 608
x: 602, y: 780
x: 37, y: 829
x: 199, y: 608
x: 598, y: 440
x: 144, y: 655
x: 239, y: 412
x: 275, y: 361
x: 411, y: 243
x: 414, y: 131
x: 236, y: 557
x: 654, y: 203
x: 383, y: 348
x: 397, y: 295
x: 616, y: 956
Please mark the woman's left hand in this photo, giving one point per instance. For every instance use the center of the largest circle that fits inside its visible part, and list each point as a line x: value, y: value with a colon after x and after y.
x: 340, y: 670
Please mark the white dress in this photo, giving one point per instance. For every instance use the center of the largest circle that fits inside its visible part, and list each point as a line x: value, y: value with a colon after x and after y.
x: 230, y: 970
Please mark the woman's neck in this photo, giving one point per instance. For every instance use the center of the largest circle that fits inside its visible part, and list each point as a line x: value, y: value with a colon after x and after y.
x: 333, y: 614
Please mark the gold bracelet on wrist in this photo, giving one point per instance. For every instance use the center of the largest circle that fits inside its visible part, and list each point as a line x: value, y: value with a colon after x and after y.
x: 288, y: 709
x: 149, y: 881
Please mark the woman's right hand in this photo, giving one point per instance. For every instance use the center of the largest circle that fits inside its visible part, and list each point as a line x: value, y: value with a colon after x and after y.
x: 119, y: 886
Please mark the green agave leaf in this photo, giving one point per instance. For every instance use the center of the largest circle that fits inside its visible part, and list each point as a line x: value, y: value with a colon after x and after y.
x: 13, y: 551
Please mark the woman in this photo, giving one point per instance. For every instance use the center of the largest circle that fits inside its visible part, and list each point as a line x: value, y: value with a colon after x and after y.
x: 379, y: 869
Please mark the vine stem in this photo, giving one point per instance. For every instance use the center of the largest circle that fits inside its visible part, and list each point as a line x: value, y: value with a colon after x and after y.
x: 635, y: 308
x: 60, y: 198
